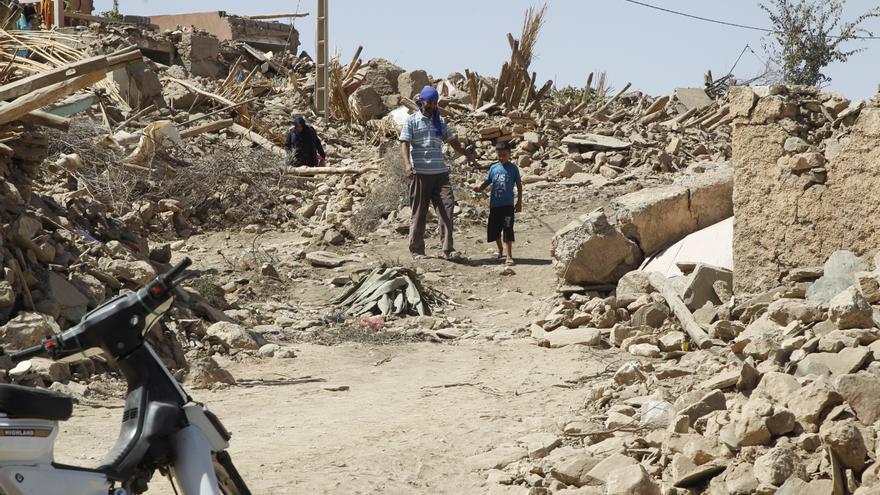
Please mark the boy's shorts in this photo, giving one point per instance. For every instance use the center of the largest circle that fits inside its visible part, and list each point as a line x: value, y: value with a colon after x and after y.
x: 500, y: 221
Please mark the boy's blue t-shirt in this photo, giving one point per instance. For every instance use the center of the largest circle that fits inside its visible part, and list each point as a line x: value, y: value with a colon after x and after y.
x: 502, y: 177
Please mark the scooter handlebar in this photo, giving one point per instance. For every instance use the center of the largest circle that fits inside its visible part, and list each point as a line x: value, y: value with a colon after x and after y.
x: 169, y: 276
x: 27, y: 353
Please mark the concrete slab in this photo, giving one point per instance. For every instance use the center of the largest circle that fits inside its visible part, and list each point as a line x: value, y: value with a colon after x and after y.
x: 712, y: 245
x: 692, y: 98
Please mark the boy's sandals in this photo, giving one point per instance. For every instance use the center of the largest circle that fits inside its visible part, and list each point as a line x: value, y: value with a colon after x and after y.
x: 499, y: 255
x: 453, y: 256
x: 418, y: 257
x: 509, y: 262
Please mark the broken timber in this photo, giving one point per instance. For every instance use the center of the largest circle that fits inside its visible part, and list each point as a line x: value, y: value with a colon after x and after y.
x: 681, y: 311
x: 209, y: 127
x: 35, y: 92
x: 258, y: 140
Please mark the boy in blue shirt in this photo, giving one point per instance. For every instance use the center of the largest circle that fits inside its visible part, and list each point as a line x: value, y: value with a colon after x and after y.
x: 502, y: 177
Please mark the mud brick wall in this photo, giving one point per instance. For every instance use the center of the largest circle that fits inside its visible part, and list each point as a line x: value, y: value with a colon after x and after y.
x: 807, y: 181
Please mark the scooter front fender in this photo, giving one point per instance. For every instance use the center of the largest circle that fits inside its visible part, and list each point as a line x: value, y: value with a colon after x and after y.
x: 193, y: 467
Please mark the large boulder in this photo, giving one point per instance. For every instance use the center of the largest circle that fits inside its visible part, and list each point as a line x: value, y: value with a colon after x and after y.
x: 27, y: 330
x: 591, y: 251
x: 366, y: 103
x: 410, y: 83
x: 839, y: 273
x: 381, y: 75
x: 73, y: 303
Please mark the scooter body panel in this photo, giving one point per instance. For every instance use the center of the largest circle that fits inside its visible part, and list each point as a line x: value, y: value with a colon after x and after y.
x: 27, y: 441
x: 47, y: 480
x: 194, y: 467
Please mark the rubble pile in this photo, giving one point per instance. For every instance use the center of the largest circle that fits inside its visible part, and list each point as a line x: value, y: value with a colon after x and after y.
x: 188, y: 137
x: 777, y: 395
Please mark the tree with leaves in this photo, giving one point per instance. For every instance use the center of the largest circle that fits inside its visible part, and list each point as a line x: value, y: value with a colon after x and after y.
x: 808, y: 35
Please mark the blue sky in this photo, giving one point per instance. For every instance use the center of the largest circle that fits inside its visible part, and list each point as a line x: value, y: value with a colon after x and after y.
x: 655, y: 51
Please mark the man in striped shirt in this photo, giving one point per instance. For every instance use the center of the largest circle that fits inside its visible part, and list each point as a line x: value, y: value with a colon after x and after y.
x: 422, y: 138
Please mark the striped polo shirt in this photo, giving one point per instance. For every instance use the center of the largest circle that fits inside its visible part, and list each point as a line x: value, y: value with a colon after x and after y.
x: 426, y: 147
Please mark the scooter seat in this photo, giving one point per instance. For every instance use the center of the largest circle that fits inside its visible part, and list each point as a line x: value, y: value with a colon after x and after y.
x: 25, y: 402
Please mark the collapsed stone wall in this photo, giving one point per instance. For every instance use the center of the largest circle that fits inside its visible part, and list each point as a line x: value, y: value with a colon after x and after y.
x: 602, y: 246
x: 806, y: 182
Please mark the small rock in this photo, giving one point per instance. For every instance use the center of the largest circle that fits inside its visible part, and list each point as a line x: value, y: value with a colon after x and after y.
x: 774, y: 385
x: 51, y: 371
x: 673, y: 341
x: 631, y: 480
x: 268, y: 270
x: 862, y: 392
x: 785, y: 311
x: 652, y: 315
x: 751, y: 430
x: 571, y: 336
x: 846, y: 440
x: 686, y: 473
x: 629, y: 374
x: 810, y: 403
x: 574, y: 471
x: 285, y: 353
x: 268, y: 350
x: 712, y: 401
x: 849, y: 309
x: 233, y: 336
x: 645, y: 350
x: 838, y: 271
x: 781, y: 422
x: 325, y: 259
x: 27, y: 330
x: 603, y: 470
x: 778, y: 465
x: 539, y: 445
x: 498, y: 458
x: 205, y: 372
x: 868, y: 284
x: 796, y: 145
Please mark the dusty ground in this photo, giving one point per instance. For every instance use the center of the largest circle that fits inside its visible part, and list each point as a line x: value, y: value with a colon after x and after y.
x: 412, y: 412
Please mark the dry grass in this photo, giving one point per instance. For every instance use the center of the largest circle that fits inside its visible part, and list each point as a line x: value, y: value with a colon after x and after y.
x: 219, y: 188
x: 357, y: 333
x: 532, y: 24
x: 388, y: 194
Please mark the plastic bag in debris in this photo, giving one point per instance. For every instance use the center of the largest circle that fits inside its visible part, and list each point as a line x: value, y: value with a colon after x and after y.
x: 156, y: 135
x: 657, y: 414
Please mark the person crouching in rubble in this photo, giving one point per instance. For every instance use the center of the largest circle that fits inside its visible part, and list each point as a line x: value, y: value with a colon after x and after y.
x: 422, y: 136
x: 502, y: 206
x: 303, y: 145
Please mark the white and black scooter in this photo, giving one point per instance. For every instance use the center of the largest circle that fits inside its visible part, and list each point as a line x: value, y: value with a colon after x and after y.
x: 162, y: 428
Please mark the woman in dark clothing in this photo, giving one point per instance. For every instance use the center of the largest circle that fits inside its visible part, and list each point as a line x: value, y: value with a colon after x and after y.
x: 303, y: 145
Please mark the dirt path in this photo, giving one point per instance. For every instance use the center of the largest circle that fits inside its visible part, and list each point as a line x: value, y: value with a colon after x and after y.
x: 412, y: 413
